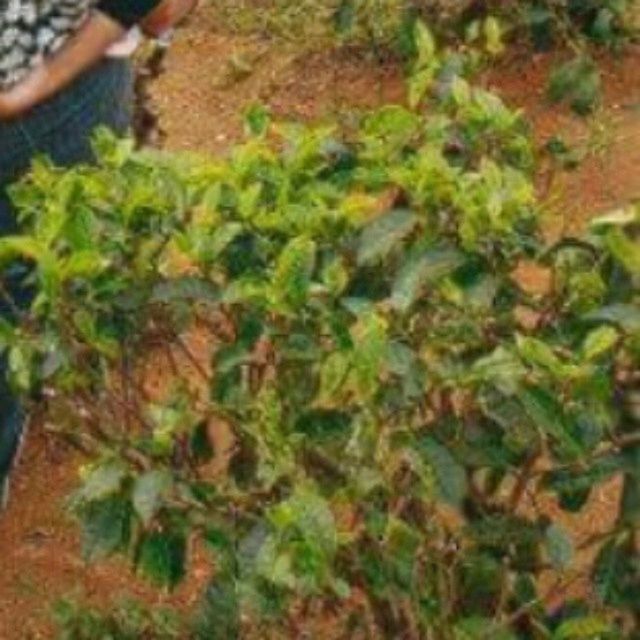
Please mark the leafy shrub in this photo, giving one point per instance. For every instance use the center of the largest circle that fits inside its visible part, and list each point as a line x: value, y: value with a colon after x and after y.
x: 577, y: 81
x: 127, y: 620
x: 604, y: 22
x: 394, y: 392
x: 388, y: 23
x: 387, y: 26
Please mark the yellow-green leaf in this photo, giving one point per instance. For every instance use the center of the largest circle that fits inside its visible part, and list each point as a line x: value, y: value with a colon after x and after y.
x: 599, y: 342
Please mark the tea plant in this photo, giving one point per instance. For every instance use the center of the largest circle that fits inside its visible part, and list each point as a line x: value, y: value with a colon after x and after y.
x: 398, y: 401
x: 385, y: 26
x: 386, y: 23
x: 605, y: 22
x: 480, y: 26
x: 127, y: 620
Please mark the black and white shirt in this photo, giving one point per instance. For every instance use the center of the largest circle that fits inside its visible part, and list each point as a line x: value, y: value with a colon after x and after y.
x: 31, y: 30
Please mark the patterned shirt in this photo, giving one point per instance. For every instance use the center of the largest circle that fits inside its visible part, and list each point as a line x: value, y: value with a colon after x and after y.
x: 31, y: 30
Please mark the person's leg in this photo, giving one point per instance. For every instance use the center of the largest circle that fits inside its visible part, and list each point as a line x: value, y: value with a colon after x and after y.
x: 14, y: 158
x: 60, y: 129
x: 11, y: 415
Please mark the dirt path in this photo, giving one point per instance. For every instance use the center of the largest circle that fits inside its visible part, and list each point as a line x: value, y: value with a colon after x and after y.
x: 198, y: 101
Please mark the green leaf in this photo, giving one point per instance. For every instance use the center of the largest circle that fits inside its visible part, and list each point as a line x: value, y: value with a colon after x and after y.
x: 390, y: 128
x: 494, y: 36
x: 599, y: 342
x: 616, y: 576
x: 425, y: 44
x: 548, y: 415
x: 626, y: 316
x: 476, y: 627
x: 382, y: 235
x: 218, y: 616
x: 450, y: 476
x: 281, y: 573
x: 630, y: 503
x: 344, y: 18
x: 161, y: 558
x: 221, y: 239
x: 583, y: 628
x: 106, y: 527
x: 559, y: 547
x: 221, y: 543
x: 333, y: 375
x: 12, y: 247
x: 420, y: 82
x: 324, y: 425
x: 539, y: 353
x: 295, y: 265
x: 577, y: 81
x: 103, y: 481
x: 83, y: 264
x: 625, y: 250
x: 402, y: 544
x: 502, y: 367
x: 257, y: 120
x: 421, y: 271
x: 608, y: 569
x: 308, y: 513
x: 335, y: 277
x: 148, y: 491
x: 200, y: 446
x: 460, y: 91
x: 370, y: 351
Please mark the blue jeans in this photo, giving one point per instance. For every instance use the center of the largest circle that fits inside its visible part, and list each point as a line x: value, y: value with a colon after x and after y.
x: 61, y: 129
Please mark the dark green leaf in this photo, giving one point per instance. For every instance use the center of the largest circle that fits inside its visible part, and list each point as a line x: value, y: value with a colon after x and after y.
x: 420, y: 271
x: 450, y: 475
x: 324, y: 425
x: 106, y: 527
x: 384, y: 234
x: 161, y: 558
x: 218, y: 616
x: 548, y: 415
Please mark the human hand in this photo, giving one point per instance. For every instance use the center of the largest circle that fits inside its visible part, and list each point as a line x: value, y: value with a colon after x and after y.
x: 166, y: 15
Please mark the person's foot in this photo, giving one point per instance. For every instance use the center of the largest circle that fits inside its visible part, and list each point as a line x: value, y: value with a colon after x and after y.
x: 12, y: 429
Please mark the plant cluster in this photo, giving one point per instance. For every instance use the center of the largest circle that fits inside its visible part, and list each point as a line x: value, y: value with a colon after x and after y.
x: 482, y: 26
x: 127, y: 620
x: 385, y: 23
x: 399, y: 402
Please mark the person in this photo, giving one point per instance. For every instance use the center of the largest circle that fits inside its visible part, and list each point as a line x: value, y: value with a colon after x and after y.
x: 64, y: 71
